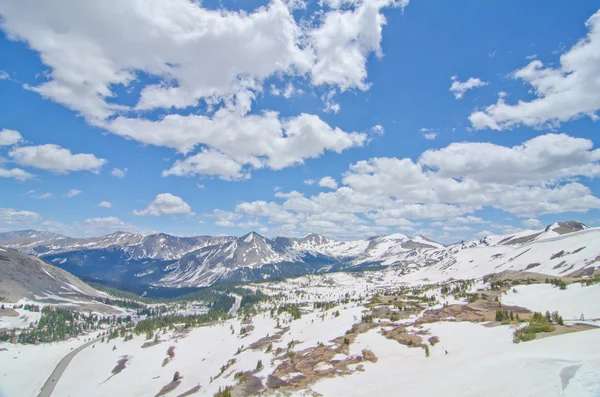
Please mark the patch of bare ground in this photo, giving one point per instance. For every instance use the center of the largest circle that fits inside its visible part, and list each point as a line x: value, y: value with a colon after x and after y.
x: 193, y: 390
x: 267, y: 340
x: 8, y: 313
x: 251, y: 386
x: 401, y: 335
x: 566, y: 329
x: 170, y: 354
x: 478, y: 311
x: 315, y: 363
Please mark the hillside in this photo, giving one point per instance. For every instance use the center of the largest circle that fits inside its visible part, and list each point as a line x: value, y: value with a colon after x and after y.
x: 163, y: 260
x: 23, y: 276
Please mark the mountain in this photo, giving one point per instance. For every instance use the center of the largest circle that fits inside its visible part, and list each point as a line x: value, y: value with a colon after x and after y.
x: 169, y: 261
x: 136, y: 246
x: 29, y: 236
x: 248, y: 258
x: 23, y: 276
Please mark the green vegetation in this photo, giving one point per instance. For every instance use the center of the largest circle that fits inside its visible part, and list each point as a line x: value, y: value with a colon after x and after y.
x: 226, y: 392
x: 538, y: 323
x: 557, y: 282
x: 292, y: 309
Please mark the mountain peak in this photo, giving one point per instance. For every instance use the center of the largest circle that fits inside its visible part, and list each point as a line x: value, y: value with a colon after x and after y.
x: 250, y: 237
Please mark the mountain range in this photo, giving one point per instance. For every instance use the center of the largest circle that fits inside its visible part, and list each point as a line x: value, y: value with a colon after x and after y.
x: 170, y: 261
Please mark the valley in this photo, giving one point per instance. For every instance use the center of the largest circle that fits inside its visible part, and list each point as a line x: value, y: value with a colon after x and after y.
x: 472, y: 311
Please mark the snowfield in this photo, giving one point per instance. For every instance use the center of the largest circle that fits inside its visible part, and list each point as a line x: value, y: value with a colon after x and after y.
x: 422, y: 329
x: 572, y: 303
x: 480, y: 361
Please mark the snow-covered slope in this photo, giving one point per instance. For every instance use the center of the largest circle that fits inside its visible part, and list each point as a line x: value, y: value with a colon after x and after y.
x: 216, y: 263
x: 155, y: 246
x: 560, y: 249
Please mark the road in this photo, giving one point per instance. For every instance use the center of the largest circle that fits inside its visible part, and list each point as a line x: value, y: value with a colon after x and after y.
x: 236, y: 305
x: 48, y: 387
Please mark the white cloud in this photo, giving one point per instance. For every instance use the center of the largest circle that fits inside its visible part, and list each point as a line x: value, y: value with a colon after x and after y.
x: 4, y: 75
x: 344, y: 40
x: 459, y: 88
x: 330, y: 105
x: 377, y: 129
x: 166, y: 204
x: 105, y: 204
x: 109, y: 222
x: 96, y: 226
x: 9, y: 137
x: 16, y: 173
x: 428, y: 133
x: 328, y: 182
x: 44, y: 196
x: 208, y: 162
x: 563, y: 93
x: 73, y: 192
x: 532, y: 224
x: 449, y: 184
x: 171, y: 40
x: 254, y: 141
x: 11, y: 216
x: 88, y: 66
x: 310, y: 182
x: 118, y: 172
x: 56, y: 159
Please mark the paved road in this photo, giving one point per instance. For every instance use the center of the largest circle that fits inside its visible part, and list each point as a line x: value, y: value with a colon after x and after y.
x: 236, y: 305
x: 48, y: 387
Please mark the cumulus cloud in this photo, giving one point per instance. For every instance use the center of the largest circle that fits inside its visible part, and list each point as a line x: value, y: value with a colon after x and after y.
x: 10, y: 216
x: 105, y: 204
x: 450, y: 184
x: 74, y: 192
x: 118, y: 172
x: 328, y: 182
x: 44, y: 196
x: 9, y: 137
x: 208, y: 162
x: 15, y: 173
x: 459, y: 88
x: 254, y: 140
x: 169, y: 42
x: 532, y: 223
x: 166, y: 204
x: 562, y: 93
x: 56, y: 159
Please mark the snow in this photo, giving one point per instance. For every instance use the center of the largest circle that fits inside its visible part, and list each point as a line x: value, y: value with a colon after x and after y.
x: 570, y: 303
x: 25, y: 368
x: 480, y: 361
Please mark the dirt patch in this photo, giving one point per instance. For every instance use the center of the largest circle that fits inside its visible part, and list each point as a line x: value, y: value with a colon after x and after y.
x: 267, y: 340
x: 400, y: 335
x: 8, y: 313
x: 478, y: 311
x: 251, y: 387
x: 302, y: 368
x: 368, y: 355
x: 566, y: 329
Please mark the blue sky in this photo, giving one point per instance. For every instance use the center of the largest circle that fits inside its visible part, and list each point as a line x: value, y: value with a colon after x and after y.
x: 448, y: 119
